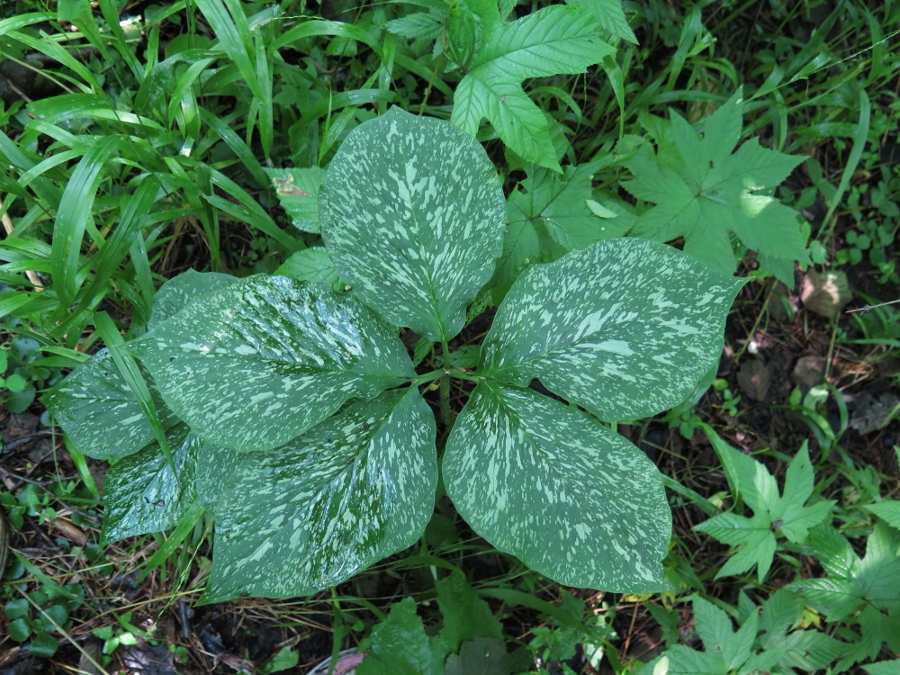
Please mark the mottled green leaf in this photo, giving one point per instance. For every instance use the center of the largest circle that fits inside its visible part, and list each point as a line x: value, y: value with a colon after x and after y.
x: 143, y: 495
x: 399, y: 646
x: 569, y: 497
x: 298, y: 193
x: 264, y: 359
x: 311, y: 514
x: 625, y: 328
x: 178, y: 292
x: 412, y: 214
x: 312, y: 264
x: 215, y: 465
x: 97, y: 410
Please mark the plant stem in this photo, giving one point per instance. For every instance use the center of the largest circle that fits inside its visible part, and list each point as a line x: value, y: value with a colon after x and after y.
x: 445, y: 386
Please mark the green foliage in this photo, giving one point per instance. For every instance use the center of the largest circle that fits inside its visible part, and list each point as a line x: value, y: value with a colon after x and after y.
x: 259, y: 366
x: 705, y: 193
x: 789, y: 515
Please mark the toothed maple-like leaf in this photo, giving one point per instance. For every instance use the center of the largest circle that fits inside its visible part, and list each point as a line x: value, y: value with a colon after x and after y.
x: 552, y: 41
x: 706, y: 194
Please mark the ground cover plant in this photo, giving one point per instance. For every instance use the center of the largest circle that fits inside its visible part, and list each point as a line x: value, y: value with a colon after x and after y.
x: 172, y: 169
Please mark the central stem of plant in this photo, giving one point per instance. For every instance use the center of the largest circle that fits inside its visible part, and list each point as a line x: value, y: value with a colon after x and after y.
x: 445, y: 386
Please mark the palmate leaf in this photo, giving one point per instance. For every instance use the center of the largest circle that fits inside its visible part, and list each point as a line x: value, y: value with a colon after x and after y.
x: 754, y: 538
x: 548, y: 216
x: 703, y: 193
x: 99, y: 413
x: 552, y: 41
x: 311, y: 514
x: 312, y: 264
x: 572, y: 499
x: 624, y: 328
x: 851, y: 581
x: 610, y: 15
x: 264, y: 359
x: 412, y: 213
x: 142, y: 493
x: 400, y: 646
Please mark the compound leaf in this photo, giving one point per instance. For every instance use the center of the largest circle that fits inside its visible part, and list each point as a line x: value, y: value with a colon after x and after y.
x: 264, y: 359
x: 624, y: 328
x: 97, y: 410
x: 545, y: 482
x: 466, y: 615
x: 888, y: 511
x: 352, y: 490
x: 703, y: 193
x: 143, y: 495
x: 412, y: 214
x: 552, y: 41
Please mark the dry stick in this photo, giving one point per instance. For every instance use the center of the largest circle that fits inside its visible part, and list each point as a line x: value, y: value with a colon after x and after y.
x: 8, y: 226
x: 865, y: 309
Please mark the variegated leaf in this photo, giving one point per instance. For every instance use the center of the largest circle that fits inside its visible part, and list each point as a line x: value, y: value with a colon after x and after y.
x: 215, y: 466
x: 625, y: 328
x: 98, y: 412
x: 298, y: 192
x: 175, y: 294
x: 352, y: 490
x: 545, y: 482
x: 412, y: 213
x: 265, y: 358
x: 143, y: 495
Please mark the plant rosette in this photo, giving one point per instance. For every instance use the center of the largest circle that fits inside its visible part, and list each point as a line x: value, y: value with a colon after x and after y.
x: 293, y: 414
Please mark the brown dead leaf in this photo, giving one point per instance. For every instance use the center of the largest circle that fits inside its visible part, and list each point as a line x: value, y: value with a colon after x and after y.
x: 809, y: 371
x: 754, y: 379
x: 825, y: 293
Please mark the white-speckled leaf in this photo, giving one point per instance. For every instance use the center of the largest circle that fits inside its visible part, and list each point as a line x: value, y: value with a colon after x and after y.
x: 265, y: 358
x: 215, y: 465
x: 97, y: 410
x: 573, y: 500
x: 412, y: 213
x: 298, y: 193
x: 178, y: 292
x: 625, y: 328
x: 311, y: 514
x: 141, y: 494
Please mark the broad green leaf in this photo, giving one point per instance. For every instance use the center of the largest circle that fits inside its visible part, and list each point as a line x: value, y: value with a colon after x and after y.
x: 418, y: 26
x: 412, y: 214
x: 178, y: 292
x: 98, y: 412
x: 485, y: 656
x: 143, y: 495
x: 466, y: 615
x: 681, y: 660
x: 263, y: 359
x: 573, y: 500
x: 43, y: 646
x: 883, y: 668
x: 552, y: 41
x: 888, y: 511
x: 18, y: 630
x: 298, y: 193
x: 354, y: 489
x: 809, y: 650
x: 715, y: 629
x: 399, y: 646
x: 215, y: 465
x: 610, y: 15
x: 312, y: 264
x: 703, y: 193
x: 624, y: 328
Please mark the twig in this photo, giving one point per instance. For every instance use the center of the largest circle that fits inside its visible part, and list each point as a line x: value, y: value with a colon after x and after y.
x: 863, y: 310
